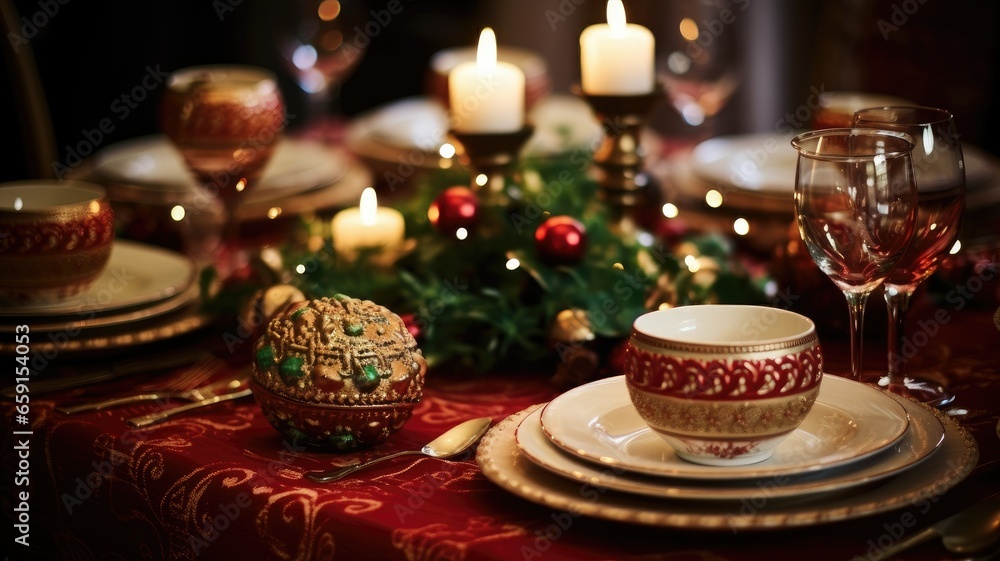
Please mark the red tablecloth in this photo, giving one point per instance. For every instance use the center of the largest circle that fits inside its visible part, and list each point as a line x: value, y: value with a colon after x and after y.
x: 221, y: 484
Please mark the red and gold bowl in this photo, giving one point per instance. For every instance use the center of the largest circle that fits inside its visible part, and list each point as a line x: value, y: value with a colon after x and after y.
x: 55, y: 239
x: 723, y: 385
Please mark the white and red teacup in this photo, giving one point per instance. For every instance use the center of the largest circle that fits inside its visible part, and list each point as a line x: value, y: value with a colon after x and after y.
x: 55, y: 240
x: 723, y: 384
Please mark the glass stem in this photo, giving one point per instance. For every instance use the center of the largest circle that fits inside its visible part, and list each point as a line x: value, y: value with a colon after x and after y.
x: 856, y: 309
x: 231, y: 227
x: 231, y: 256
x: 897, y: 302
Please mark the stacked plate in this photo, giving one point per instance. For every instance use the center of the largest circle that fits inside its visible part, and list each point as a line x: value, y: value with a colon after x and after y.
x: 589, y: 452
x: 756, y: 172
x: 145, y: 294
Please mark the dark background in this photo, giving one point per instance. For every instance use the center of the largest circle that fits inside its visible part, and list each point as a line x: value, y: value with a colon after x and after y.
x: 90, y: 52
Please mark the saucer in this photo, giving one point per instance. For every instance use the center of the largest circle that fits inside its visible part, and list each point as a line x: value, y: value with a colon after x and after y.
x: 150, y: 169
x: 136, y: 275
x: 413, y: 129
x: 923, y: 437
x: 850, y: 421
x: 502, y: 463
x: 763, y: 165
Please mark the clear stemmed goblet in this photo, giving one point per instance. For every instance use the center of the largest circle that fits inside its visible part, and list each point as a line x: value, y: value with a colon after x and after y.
x: 225, y: 121
x: 939, y: 172
x: 322, y: 43
x: 698, y: 64
x: 855, y: 205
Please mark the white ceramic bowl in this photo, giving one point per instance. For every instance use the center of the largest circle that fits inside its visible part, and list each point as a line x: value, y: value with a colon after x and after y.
x: 55, y: 239
x: 723, y: 385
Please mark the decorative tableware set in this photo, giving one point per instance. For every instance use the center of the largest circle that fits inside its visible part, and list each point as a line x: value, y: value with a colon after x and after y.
x: 77, y: 287
x: 594, y: 451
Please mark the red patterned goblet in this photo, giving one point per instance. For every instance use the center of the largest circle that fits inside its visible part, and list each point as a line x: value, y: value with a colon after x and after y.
x: 225, y: 121
x: 723, y: 385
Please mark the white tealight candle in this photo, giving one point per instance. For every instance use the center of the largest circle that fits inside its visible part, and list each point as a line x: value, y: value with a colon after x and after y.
x: 486, y: 96
x: 368, y: 226
x: 617, y: 58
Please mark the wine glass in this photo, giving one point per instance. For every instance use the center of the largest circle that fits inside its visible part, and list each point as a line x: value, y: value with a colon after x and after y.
x: 939, y: 172
x: 323, y: 43
x: 697, y: 59
x: 225, y: 121
x: 855, y: 206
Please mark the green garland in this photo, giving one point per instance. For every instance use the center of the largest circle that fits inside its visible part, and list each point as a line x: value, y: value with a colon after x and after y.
x: 471, y: 311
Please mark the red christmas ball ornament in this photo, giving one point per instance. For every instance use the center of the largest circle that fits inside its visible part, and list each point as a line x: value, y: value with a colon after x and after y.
x: 561, y: 240
x: 412, y: 324
x: 454, y: 209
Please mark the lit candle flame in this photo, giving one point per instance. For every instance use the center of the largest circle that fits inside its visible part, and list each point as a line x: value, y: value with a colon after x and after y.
x: 369, y: 206
x: 486, y: 56
x: 616, y: 17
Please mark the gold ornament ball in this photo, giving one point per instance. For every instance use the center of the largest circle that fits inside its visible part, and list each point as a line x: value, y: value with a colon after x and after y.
x: 338, y: 373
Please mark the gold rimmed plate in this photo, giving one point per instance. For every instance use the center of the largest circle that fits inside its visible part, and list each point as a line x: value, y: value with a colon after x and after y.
x: 151, y: 169
x: 849, y: 422
x: 923, y: 437
x: 502, y: 462
x: 137, y: 275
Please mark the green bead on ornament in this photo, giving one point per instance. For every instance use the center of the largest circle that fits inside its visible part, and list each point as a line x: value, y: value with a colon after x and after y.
x: 291, y: 369
x: 367, y: 378
x: 265, y: 357
x: 343, y: 440
x: 295, y: 435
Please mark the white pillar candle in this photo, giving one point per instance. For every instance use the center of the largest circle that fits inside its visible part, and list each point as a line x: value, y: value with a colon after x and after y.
x: 368, y: 226
x: 617, y: 58
x: 486, y: 96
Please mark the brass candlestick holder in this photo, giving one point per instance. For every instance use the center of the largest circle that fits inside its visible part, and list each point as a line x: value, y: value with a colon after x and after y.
x: 624, y: 186
x: 491, y: 154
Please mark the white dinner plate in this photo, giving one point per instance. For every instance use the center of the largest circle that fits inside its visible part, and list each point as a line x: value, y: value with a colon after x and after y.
x: 850, y: 421
x: 132, y: 317
x: 137, y: 274
x: 501, y: 462
x: 153, y: 170
x: 420, y: 124
x: 924, y: 435
x: 765, y: 164
x: 90, y: 342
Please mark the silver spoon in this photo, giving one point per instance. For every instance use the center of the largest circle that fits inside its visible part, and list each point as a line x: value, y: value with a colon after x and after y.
x: 453, y: 442
x: 970, y: 531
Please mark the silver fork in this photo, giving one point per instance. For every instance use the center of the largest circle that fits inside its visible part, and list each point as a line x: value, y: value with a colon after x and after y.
x: 193, y: 376
x: 159, y: 416
x: 196, y: 374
